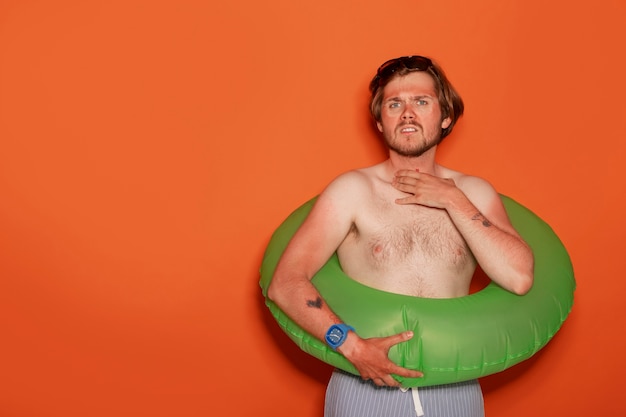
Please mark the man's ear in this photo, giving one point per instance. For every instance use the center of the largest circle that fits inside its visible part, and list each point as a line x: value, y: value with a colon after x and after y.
x: 380, y: 127
x: 446, y: 122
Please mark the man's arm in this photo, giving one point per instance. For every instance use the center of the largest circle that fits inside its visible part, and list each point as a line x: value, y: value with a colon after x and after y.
x: 291, y: 289
x: 311, y: 246
x: 477, y: 212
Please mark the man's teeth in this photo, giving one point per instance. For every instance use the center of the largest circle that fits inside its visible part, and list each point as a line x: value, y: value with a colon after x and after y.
x: 409, y: 129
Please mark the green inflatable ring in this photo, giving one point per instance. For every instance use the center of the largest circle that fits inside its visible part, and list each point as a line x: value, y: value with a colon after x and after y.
x: 456, y: 339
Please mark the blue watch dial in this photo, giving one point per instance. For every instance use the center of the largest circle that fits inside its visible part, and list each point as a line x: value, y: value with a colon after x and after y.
x: 337, y: 334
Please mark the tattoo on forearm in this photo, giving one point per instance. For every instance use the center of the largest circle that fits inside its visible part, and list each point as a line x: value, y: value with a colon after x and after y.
x: 483, y: 219
x: 317, y: 303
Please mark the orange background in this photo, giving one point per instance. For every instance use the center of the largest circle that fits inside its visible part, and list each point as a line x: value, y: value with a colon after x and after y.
x: 150, y: 148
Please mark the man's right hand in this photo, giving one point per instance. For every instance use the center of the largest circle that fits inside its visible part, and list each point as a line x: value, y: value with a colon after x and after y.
x: 370, y: 357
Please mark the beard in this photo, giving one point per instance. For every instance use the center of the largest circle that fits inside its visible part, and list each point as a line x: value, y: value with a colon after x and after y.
x: 408, y: 148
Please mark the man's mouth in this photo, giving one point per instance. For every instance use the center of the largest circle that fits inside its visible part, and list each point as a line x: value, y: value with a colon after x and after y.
x: 408, y: 129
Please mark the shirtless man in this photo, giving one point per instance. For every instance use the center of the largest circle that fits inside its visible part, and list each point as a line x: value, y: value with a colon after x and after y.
x: 407, y: 225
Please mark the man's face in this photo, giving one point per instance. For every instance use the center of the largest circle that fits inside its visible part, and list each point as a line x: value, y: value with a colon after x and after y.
x: 410, y: 115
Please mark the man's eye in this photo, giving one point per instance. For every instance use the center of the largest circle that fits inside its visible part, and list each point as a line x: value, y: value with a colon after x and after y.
x: 394, y: 105
x: 422, y: 102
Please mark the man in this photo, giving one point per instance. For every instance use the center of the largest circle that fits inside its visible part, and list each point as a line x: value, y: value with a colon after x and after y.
x: 407, y: 225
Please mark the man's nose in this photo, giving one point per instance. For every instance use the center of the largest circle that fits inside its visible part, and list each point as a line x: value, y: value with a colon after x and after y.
x: 408, y: 113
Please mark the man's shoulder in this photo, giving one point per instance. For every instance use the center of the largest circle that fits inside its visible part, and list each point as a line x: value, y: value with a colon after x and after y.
x: 472, y: 181
x: 477, y: 189
x: 357, y: 177
x: 352, y: 185
x: 462, y: 179
x: 472, y: 185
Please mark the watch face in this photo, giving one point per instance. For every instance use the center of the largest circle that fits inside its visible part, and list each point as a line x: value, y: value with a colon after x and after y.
x: 335, y: 335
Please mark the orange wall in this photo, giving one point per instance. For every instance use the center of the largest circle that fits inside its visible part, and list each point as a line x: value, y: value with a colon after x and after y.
x: 148, y: 149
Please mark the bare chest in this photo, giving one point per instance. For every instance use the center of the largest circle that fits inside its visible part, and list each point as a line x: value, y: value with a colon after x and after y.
x: 407, y: 249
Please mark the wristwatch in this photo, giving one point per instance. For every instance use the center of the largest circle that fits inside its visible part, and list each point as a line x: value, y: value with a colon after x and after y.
x: 337, y: 334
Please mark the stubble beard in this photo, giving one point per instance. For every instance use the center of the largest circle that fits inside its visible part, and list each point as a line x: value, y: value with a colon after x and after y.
x: 412, y: 150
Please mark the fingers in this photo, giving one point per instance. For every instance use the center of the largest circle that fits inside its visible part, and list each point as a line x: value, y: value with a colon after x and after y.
x: 398, y: 370
x: 399, y: 338
x: 407, y: 173
x: 387, y: 381
x: 424, y: 189
x: 377, y: 367
x: 406, y: 200
x: 403, y: 180
x: 406, y: 188
x: 413, y: 178
x: 407, y: 373
x: 406, y: 185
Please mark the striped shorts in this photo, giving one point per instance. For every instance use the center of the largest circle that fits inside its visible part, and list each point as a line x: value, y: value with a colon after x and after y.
x: 348, y: 395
